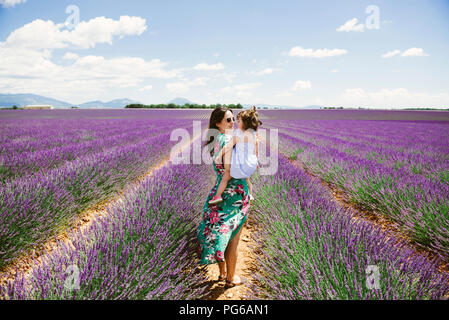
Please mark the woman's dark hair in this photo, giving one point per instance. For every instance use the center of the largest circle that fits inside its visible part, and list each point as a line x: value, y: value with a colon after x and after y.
x: 250, y: 118
x: 216, y: 117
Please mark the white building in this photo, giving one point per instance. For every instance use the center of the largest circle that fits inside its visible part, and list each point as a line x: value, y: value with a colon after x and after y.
x: 38, y: 106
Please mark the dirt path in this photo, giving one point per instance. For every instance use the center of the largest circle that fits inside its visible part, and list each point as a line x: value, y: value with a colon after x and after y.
x: 27, y: 263
x: 246, y: 267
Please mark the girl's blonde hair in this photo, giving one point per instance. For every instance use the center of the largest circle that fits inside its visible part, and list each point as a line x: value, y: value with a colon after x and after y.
x: 250, y: 118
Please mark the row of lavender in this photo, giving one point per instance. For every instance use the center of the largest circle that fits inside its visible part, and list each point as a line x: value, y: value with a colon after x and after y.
x: 40, y: 145
x: 412, y: 148
x: 37, y: 205
x: 362, y: 157
x: 141, y: 249
x: 312, y: 248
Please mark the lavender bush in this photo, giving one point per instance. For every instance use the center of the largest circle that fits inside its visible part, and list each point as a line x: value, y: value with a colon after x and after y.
x: 311, y: 248
x: 142, y: 249
x: 398, y: 169
x: 36, y: 206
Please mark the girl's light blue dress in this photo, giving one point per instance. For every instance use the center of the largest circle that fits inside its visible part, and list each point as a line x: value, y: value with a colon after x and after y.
x: 244, y: 160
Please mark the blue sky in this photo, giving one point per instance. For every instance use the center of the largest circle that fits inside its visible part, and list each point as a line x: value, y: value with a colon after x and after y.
x: 255, y: 52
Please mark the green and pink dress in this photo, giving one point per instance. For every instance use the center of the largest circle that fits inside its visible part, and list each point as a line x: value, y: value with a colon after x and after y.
x: 222, y: 221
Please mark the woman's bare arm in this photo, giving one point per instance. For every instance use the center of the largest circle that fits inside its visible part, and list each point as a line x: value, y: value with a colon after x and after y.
x: 227, y: 147
x: 257, y: 148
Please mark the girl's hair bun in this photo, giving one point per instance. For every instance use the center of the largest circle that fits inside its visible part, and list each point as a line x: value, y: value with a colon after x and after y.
x: 250, y: 118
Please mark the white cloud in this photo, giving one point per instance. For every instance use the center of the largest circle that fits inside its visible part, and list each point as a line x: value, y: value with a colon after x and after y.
x: 38, y: 35
x: 228, y: 77
x: 243, y: 90
x: 209, y: 67
x: 283, y: 94
x: 300, y: 85
x: 351, y: 25
x: 227, y: 89
x: 412, y: 52
x: 335, y: 70
x: 146, y: 88
x: 83, y: 78
x: 201, y: 81
x: 390, y: 54
x: 26, y: 63
x: 318, y: 101
x: 393, y: 98
x: 10, y: 3
x: 243, y: 94
x: 319, y: 53
x: 264, y: 71
x: 98, y: 66
x: 102, y: 30
x: 71, y: 56
x: 177, y: 87
x: 41, y: 34
x: 247, y: 86
x: 184, y: 85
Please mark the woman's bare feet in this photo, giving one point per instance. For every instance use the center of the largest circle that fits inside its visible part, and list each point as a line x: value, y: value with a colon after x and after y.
x: 236, y: 281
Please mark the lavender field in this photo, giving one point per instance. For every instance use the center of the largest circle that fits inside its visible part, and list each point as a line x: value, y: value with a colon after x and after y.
x: 56, y: 164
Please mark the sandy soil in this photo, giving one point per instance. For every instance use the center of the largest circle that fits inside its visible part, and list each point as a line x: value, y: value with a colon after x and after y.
x: 246, y: 267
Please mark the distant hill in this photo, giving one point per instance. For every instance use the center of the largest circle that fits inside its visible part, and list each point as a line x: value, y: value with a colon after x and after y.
x: 180, y: 101
x: 97, y: 104
x: 23, y: 99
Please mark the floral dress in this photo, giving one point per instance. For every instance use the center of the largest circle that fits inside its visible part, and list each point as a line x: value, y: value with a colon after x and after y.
x: 223, y: 220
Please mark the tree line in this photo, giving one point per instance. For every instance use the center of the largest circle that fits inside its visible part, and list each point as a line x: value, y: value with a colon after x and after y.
x: 185, y: 106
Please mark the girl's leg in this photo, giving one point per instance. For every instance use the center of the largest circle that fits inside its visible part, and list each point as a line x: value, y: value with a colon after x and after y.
x: 250, y: 186
x: 224, y: 182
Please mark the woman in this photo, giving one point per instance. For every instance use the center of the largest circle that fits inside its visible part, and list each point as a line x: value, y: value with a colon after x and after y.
x: 220, y: 227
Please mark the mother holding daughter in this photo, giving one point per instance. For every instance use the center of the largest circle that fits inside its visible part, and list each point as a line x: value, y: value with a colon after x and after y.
x: 224, y: 216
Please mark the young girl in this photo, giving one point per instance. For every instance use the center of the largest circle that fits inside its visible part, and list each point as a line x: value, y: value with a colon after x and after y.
x: 244, y: 157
